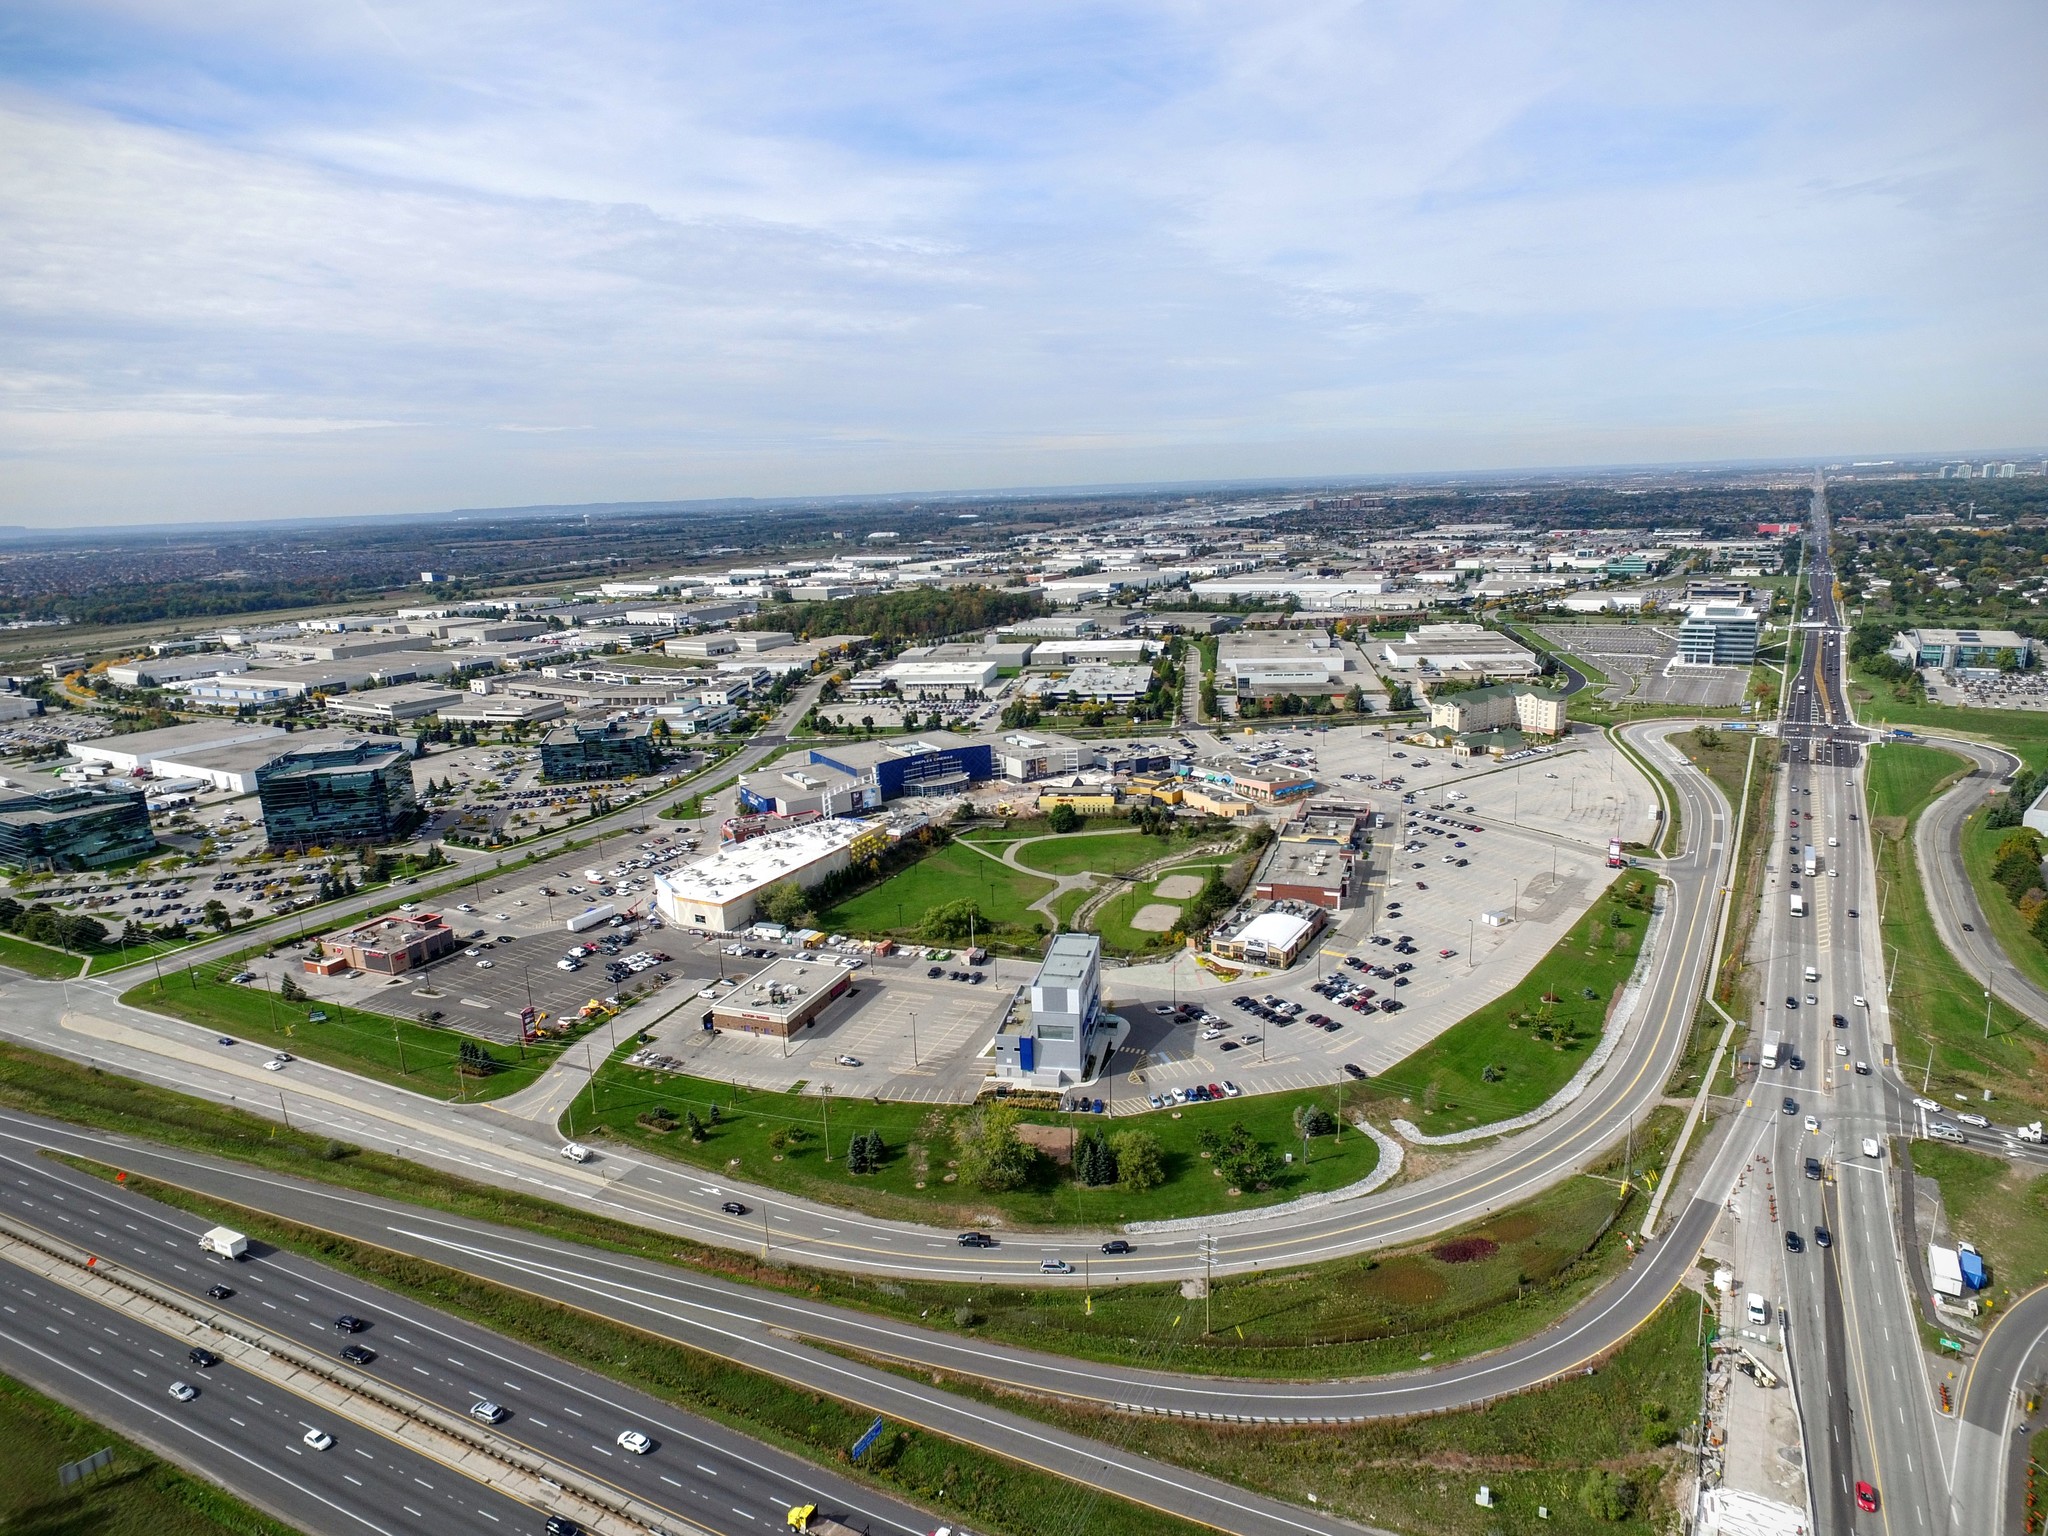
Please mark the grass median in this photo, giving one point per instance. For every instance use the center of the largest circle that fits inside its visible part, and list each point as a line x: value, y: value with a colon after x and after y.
x: 1598, y: 1450
x: 1980, y: 852
x: 959, y: 1480
x: 1725, y: 757
x: 407, y: 1055
x: 39, y: 959
x: 2000, y: 1207
x: 1514, y: 1053
x: 1947, y: 1034
x: 140, y: 1494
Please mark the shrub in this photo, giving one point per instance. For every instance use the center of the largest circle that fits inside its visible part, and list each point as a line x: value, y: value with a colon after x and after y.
x: 1464, y: 1250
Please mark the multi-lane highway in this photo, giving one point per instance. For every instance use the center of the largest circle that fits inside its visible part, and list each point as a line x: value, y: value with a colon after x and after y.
x: 242, y: 1432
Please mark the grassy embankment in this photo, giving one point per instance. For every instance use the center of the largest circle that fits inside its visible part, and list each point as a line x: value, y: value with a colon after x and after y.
x: 1599, y: 1451
x: 1999, y: 1206
x: 139, y: 1495
x: 1938, y: 1009
x: 1554, y: 1250
x: 416, y: 1057
x: 39, y: 959
x: 1513, y: 1053
x: 1980, y: 851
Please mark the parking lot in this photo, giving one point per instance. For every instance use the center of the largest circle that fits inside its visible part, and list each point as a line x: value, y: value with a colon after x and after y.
x: 1539, y: 859
x: 1642, y: 666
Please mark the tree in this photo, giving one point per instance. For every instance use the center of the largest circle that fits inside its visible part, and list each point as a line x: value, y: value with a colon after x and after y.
x: 1140, y: 1163
x: 857, y: 1156
x: 1094, y: 1160
x: 1313, y: 1120
x: 992, y: 1155
x: 215, y: 913
x: 290, y: 990
x: 786, y: 904
x: 952, y: 922
x: 1607, y: 1495
x: 1063, y: 818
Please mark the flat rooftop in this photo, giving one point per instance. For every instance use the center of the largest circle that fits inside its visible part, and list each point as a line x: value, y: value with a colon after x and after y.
x: 1068, y: 959
x: 738, y: 868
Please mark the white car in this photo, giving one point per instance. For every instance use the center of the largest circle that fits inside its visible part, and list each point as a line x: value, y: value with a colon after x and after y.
x: 472, y: 953
x: 485, y: 965
x: 1860, y: 1003
x: 632, y: 1440
x: 276, y: 1063
x: 576, y: 1152
x: 1977, y: 1120
x: 319, y: 1439
x: 1841, y: 1049
x: 847, y: 1061
x: 1813, y: 1122
x: 184, y: 1392
x: 1927, y: 1104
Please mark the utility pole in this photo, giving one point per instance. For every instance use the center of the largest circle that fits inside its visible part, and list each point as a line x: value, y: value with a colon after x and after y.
x: 399, y: 1041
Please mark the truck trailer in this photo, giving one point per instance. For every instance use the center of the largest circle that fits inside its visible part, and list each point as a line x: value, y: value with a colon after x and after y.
x: 1812, y: 862
x: 1798, y: 905
x: 591, y: 917
x: 1774, y: 1048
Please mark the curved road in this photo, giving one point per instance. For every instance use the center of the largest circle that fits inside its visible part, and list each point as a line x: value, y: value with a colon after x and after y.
x: 85, y: 1020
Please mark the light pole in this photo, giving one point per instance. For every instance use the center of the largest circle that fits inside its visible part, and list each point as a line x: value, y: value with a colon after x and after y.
x: 913, y: 1039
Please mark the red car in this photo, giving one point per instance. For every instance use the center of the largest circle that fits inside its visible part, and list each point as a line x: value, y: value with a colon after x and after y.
x: 1866, y: 1497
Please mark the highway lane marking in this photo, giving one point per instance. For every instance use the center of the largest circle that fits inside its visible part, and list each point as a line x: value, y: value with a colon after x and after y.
x: 670, y: 1481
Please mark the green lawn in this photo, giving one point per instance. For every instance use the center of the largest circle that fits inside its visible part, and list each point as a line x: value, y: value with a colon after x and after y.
x: 396, y: 1051
x: 952, y: 873
x: 1531, y: 1047
x: 1112, y: 919
x: 1938, y: 1008
x: 921, y: 1148
x: 2017, y: 730
x: 1110, y: 853
x: 139, y: 1495
x: 38, y: 959
x: 120, y: 957
x: 2001, y: 1207
x: 1980, y: 846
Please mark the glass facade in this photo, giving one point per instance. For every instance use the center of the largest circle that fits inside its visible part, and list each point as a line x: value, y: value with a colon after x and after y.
x: 358, y: 792
x: 82, y: 827
x: 577, y: 754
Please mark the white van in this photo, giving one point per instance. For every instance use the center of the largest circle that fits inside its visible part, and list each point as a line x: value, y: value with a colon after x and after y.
x: 576, y: 1152
x: 1870, y: 1148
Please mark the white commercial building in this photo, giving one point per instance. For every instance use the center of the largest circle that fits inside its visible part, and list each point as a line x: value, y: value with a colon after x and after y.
x: 155, y: 671
x: 717, y: 893
x: 941, y: 679
x: 1057, y: 1040
x: 143, y: 751
x: 1470, y: 649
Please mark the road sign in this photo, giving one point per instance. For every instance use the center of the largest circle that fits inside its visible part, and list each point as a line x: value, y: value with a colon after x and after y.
x: 862, y: 1445
x: 77, y: 1471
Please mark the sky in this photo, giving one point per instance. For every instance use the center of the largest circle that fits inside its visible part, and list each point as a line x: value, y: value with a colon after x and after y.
x: 338, y: 257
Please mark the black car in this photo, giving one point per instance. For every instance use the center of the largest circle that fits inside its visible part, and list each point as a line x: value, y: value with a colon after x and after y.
x: 733, y: 1208
x: 1794, y: 1243
x: 1116, y: 1245
x: 1791, y: 1001
x: 202, y: 1358
x: 976, y: 1240
x: 562, y: 1525
x: 936, y: 972
x: 358, y: 1354
x: 1796, y: 1063
x: 1840, y: 1022
x: 220, y: 1292
x: 1813, y: 1169
x: 1354, y: 1070
x: 348, y: 1322
x: 1790, y: 1106
x: 1822, y: 1238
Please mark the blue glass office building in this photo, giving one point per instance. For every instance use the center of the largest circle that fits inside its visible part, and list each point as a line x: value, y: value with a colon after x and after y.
x: 85, y: 826
x: 355, y: 792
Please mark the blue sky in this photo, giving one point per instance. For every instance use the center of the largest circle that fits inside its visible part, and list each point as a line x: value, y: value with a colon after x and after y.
x: 325, y: 258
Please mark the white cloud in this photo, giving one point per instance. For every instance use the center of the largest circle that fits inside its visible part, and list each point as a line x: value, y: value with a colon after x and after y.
x: 323, y: 259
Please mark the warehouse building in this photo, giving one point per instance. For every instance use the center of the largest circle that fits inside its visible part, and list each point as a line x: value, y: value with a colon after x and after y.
x: 1460, y: 649
x: 1324, y: 874
x: 941, y: 679
x: 158, y: 752
x: 717, y: 893
x: 356, y: 791
x: 388, y: 706
x: 784, y: 999
x: 615, y: 749
x: 83, y: 826
x: 156, y: 671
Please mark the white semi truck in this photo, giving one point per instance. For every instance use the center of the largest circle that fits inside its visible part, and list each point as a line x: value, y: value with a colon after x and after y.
x: 590, y: 917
